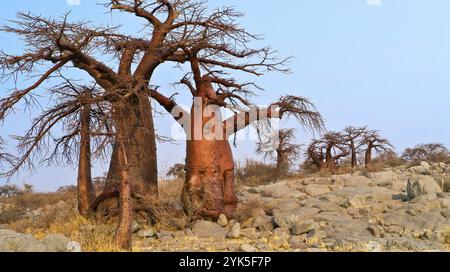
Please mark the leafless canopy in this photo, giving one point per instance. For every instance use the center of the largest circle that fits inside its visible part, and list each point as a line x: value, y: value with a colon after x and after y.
x: 433, y: 152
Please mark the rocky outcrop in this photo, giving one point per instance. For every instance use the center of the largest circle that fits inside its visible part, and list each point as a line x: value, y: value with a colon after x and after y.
x: 11, y: 241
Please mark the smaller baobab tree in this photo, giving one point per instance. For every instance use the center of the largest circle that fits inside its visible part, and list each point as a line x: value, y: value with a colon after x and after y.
x: 352, y: 137
x: 178, y: 171
x: 326, y: 152
x: 62, y: 135
x: 375, y: 143
x: 283, y: 150
x: 335, y: 149
x: 433, y: 152
x: 316, y: 154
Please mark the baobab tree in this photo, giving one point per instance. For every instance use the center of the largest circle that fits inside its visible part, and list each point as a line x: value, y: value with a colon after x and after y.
x: 284, y: 151
x: 316, y: 154
x: 352, y: 137
x: 180, y: 31
x: 209, y: 188
x: 62, y: 135
x: 433, y: 152
x: 326, y: 152
x: 335, y: 149
x: 374, y: 142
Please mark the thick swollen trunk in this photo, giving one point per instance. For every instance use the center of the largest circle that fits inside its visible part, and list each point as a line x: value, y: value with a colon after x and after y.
x: 85, y: 188
x: 368, y: 157
x: 209, y: 188
x: 354, y: 159
x: 330, y: 160
x: 137, y: 119
x: 281, y: 168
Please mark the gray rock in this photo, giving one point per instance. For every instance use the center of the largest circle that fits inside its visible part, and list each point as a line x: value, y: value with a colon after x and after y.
x: 189, y: 232
x: 11, y: 241
x: 207, y: 229
x: 281, y: 232
x: 356, y: 202
x: 304, y: 227
x: 146, y: 233
x: 263, y: 223
x: 423, y: 169
x: 222, y: 221
x: 280, y: 191
x: 373, y: 246
x: 298, y: 242
x: 73, y: 246
x: 135, y: 227
x: 316, y: 189
x: 446, y: 213
x: 421, y: 185
x: 247, y: 248
x: 56, y: 242
x: 235, y: 231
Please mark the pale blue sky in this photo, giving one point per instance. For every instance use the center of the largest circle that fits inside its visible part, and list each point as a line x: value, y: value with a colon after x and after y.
x: 386, y: 66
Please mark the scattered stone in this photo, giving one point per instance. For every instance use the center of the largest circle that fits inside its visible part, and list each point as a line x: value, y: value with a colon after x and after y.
x: 189, y: 232
x: 222, y: 221
x: 146, y: 233
x: 298, y: 242
x: 56, y: 242
x: 281, y: 232
x: 376, y: 231
x: 356, y: 202
x: 235, y: 231
x: 373, y: 246
x: 315, y: 189
x: 135, y: 227
x: 303, y: 227
x: 446, y: 213
x: 247, y: 248
x: 73, y: 246
x: 207, y: 229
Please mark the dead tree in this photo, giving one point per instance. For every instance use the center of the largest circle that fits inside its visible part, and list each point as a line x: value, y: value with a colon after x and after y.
x: 374, y: 142
x: 352, y: 137
x: 284, y: 151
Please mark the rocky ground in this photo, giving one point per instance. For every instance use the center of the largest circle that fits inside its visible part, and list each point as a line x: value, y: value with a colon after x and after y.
x: 399, y: 209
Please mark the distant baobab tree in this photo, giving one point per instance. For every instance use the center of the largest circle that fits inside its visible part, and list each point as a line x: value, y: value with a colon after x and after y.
x: 433, y: 152
x: 284, y: 151
x: 326, y: 152
x: 352, y: 137
x: 373, y: 142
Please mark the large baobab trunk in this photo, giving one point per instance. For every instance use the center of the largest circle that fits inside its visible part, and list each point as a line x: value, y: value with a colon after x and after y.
x: 354, y: 156
x: 330, y: 160
x: 281, y: 168
x: 368, y: 156
x: 136, y: 117
x: 86, y: 193
x: 209, y: 188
